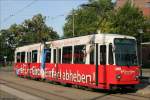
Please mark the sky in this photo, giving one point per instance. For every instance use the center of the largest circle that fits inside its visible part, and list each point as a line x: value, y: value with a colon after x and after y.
x: 16, y: 11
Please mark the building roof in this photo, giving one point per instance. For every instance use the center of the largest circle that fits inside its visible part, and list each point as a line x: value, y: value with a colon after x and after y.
x: 145, y: 43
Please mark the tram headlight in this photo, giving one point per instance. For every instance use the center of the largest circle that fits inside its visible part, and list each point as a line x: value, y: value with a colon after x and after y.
x: 118, y: 76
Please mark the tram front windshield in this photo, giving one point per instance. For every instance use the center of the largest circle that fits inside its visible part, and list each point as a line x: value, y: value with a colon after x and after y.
x: 125, y: 52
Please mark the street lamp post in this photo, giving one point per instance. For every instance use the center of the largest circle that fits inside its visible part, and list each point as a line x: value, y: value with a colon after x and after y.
x: 141, y: 32
x: 73, y: 22
x: 5, y: 61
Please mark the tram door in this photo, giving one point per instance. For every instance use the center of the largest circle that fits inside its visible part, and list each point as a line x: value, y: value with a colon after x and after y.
x: 29, y: 60
x: 102, y: 56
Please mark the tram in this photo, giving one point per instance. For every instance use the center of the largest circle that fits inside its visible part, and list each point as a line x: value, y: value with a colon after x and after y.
x: 101, y: 61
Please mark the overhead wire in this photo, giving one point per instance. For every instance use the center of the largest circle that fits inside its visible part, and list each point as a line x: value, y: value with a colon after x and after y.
x: 19, y: 11
x: 57, y: 16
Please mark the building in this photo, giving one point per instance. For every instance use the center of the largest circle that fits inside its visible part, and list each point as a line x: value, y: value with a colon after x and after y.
x: 146, y: 54
x: 143, y: 5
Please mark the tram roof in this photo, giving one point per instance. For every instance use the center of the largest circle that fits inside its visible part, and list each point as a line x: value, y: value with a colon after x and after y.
x: 94, y: 38
x: 87, y: 39
x: 30, y: 46
x: 145, y: 43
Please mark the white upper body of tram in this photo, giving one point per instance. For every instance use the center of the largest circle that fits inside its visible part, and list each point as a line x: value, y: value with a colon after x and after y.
x: 89, y: 42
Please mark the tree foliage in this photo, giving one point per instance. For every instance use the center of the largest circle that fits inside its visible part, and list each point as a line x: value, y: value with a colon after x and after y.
x: 101, y: 15
x: 36, y: 30
x: 87, y: 18
x: 32, y: 30
x: 126, y: 20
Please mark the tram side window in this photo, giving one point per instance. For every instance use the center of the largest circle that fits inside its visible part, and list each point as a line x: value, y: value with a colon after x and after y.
x: 103, y: 54
x: 18, y: 57
x: 34, y: 55
x: 22, y: 56
x: 67, y: 55
x: 111, y: 61
x: 54, y: 58
x: 59, y: 55
x: 92, y: 55
x: 79, y: 54
x: 48, y: 55
x: 29, y: 57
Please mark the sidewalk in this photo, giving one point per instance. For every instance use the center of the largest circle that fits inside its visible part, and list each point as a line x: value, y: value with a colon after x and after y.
x: 144, y: 91
x: 144, y: 86
x: 146, y: 72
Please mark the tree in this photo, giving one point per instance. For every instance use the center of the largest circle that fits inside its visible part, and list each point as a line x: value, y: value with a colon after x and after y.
x: 101, y: 15
x: 2, y: 46
x: 82, y: 18
x: 127, y: 20
x: 6, y: 45
x: 146, y: 35
x: 87, y: 18
x: 14, y: 35
x: 30, y: 31
x: 36, y: 30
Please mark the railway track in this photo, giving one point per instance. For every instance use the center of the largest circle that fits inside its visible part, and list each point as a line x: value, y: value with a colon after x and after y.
x: 34, y: 91
x: 47, y: 95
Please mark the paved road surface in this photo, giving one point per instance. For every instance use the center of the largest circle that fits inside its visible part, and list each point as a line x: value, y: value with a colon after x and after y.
x: 26, y: 89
